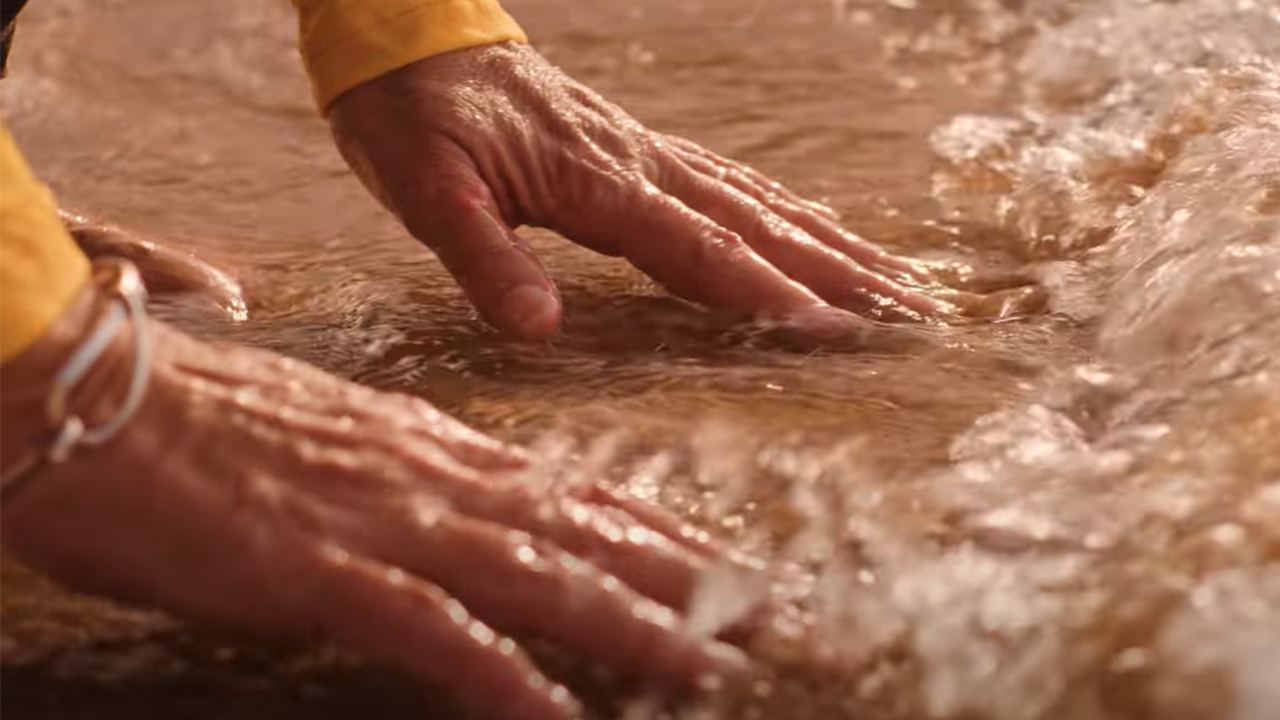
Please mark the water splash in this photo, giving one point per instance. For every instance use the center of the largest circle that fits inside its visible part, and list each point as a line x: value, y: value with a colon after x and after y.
x: 1108, y: 549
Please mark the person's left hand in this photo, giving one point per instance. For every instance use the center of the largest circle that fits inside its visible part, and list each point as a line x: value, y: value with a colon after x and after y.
x: 465, y: 146
x: 165, y: 269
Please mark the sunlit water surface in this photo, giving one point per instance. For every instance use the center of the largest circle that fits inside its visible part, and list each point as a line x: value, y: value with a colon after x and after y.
x: 1074, y: 515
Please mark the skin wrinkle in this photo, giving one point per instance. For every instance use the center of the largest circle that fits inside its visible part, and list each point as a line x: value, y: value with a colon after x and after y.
x: 508, y: 196
x: 408, y: 525
x: 265, y: 414
x: 544, y: 196
x: 553, y: 154
x: 265, y: 493
x: 763, y: 228
x: 511, y: 197
x: 446, y: 632
x: 237, y: 536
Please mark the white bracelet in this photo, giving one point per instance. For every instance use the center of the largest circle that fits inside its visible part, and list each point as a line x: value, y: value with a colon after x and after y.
x: 120, y: 279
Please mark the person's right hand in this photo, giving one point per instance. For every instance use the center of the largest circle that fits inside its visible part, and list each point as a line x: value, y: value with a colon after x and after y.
x: 262, y: 493
x: 465, y: 146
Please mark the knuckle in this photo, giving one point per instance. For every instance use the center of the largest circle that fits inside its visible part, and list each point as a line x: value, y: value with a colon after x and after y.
x: 589, y: 172
x: 454, y: 192
x: 723, y: 248
x: 756, y: 221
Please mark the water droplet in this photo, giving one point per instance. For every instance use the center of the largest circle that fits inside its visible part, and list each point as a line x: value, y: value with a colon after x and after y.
x: 336, y: 555
x: 526, y: 555
x: 655, y: 614
x: 637, y: 535
x: 1129, y: 660
x: 481, y: 633
x: 560, y: 694
x: 457, y: 612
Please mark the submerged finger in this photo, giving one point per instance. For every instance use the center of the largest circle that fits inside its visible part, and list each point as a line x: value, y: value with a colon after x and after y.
x: 657, y: 518
x: 816, y: 219
x: 739, y: 180
x: 456, y: 215
x: 642, y: 557
x: 165, y: 270
x: 525, y: 585
x: 397, y: 618
x: 685, y: 251
x: 466, y: 444
x: 745, y: 177
x: 833, y: 275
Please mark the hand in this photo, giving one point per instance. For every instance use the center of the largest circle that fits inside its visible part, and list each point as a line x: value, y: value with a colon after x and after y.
x: 262, y: 493
x: 467, y: 145
x: 164, y: 269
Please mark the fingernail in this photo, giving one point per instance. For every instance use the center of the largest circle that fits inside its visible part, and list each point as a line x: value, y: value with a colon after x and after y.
x: 532, y: 311
x: 825, y: 322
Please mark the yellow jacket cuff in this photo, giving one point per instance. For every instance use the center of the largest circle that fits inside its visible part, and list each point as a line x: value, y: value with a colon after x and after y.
x: 41, y: 267
x: 347, y: 42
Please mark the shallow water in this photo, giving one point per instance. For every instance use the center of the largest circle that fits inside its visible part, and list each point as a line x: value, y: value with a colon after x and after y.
x: 1075, y: 515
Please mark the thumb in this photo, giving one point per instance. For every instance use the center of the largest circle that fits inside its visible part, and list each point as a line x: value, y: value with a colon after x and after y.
x: 460, y: 221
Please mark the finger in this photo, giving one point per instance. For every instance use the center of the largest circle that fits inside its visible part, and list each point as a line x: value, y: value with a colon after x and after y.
x: 466, y: 444
x: 471, y: 447
x: 725, y: 173
x: 164, y: 269
x: 331, y: 412
x: 529, y: 587
x: 657, y: 518
x: 686, y: 252
x: 413, y: 624
x: 835, y: 277
x: 642, y: 557
x: 629, y: 511
x: 750, y: 180
x: 864, y: 251
x: 456, y: 216
x: 814, y: 218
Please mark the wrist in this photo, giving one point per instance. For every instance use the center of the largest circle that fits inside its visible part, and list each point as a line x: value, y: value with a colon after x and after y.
x: 26, y: 381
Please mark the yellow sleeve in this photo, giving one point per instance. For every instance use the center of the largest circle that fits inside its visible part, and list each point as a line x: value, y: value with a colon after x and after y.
x: 41, y: 267
x: 346, y: 42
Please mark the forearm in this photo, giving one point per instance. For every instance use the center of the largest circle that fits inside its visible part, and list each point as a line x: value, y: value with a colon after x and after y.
x: 348, y: 42
x: 27, y: 380
x: 47, y: 307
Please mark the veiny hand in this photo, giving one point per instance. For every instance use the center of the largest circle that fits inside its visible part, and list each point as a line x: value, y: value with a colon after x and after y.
x: 262, y: 493
x: 164, y: 269
x: 465, y: 146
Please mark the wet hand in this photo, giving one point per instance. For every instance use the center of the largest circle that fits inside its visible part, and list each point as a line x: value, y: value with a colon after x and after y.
x: 465, y: 146
x: 164, y: 269
x: 264, y: 494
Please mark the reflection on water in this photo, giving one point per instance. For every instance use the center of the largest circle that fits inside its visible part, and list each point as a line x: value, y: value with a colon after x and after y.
x: 1071, y: 516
